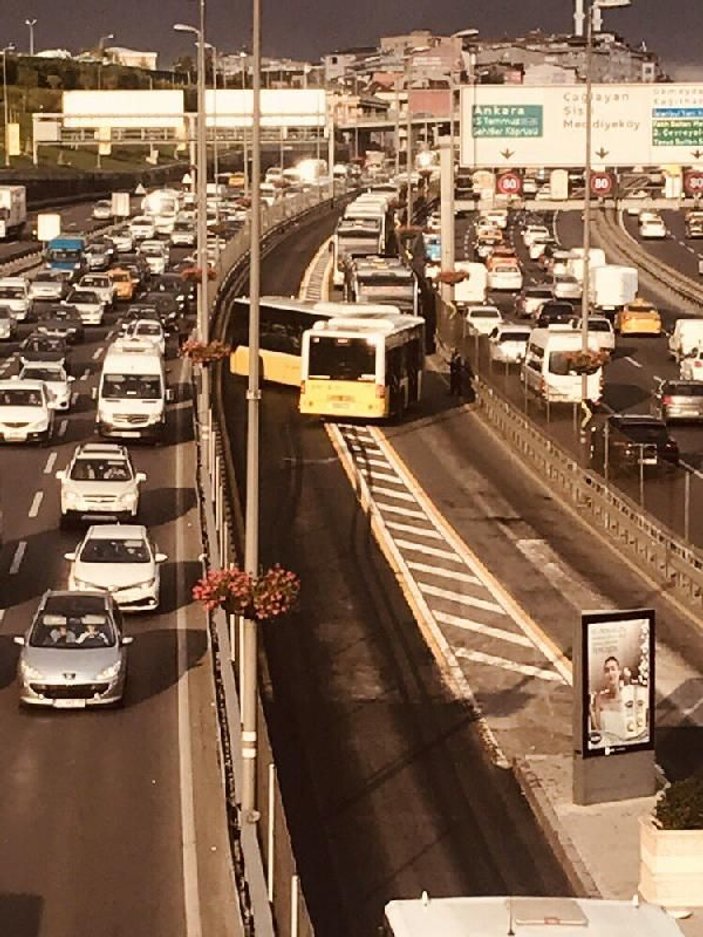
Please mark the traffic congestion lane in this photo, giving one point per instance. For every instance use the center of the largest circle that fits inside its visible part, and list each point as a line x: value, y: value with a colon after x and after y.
x: 676, y: 249
x: 102, y: 791
x: 370, y: 749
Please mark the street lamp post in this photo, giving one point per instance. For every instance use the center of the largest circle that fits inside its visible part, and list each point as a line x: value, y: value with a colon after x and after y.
x: 251, y: 522
x: 203, y: 317
x: 101, y: 52
x: 31, y: 23
x: 594, y: 6
x: 409, y: 132
x: 6, y: 109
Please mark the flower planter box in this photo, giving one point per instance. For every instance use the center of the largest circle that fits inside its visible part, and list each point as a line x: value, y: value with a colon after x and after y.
x: 671, y: 866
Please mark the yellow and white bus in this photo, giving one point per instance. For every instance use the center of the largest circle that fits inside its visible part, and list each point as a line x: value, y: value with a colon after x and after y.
x: 365, y: 364
x: 525, y: 917
x: 283, y: 322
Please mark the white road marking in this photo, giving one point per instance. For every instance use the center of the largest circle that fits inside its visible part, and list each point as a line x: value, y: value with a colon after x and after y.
x: 97, y: 353
x: 74, y: 398
x: 63, y: 426
x: 404, y: 512
x: 36, y: 503
x: 445, y: 573
x: 50, y: 462
x: 2, y: 615
x: 191, y: 891
x: 17, y: 558
x: 417, y: 531
x: 632, y: 361
x: 85, y: 375
x: 382, y: 476
x: 469, y: 625
x: 429, y: 551
x: 462, y: 598
x: 478, y: 657
x: 392, y: 493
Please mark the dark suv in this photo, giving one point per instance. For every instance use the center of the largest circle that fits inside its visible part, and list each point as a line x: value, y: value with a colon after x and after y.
x: 554, y: 312
x: 634, y: 439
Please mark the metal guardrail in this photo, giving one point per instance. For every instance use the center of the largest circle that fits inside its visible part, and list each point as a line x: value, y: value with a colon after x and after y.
x: 660, y: 553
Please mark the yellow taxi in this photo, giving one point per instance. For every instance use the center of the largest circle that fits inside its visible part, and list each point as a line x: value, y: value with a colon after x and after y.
x: 123, y: 283
x: 638, y: 318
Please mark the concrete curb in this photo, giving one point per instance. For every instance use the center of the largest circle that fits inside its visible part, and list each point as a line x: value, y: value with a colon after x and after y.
x: 573, y: 865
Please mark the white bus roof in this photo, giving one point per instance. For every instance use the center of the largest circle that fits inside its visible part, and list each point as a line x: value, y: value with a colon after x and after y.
x: 527, y: 917
x: 374, y: 324
x: 129, y: 357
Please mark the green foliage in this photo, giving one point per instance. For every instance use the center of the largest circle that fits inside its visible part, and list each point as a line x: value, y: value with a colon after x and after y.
x: 680, y: 805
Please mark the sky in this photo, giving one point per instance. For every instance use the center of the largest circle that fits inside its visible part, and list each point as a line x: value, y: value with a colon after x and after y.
x: 308, y: 29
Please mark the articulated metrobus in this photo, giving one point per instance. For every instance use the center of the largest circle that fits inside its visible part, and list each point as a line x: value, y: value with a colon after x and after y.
x: 283, y: 322
x: 365, y: 364
x: 525, y: 917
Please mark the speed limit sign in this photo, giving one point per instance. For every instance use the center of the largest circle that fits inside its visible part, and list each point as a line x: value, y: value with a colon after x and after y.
x: 602, y: 184
x: 509, y: 183
x: 693, y: 182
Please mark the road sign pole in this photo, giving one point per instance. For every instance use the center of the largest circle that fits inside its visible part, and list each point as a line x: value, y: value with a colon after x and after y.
x: 446, y: 212
x: 585, y: 287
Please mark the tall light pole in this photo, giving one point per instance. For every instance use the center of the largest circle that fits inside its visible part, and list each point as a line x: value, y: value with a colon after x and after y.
x: 31, y: 23
x: 101, y: 51
x: 251, y: 523
x: 6, y: 109
x: 409, y: 131
x: 594, y: 6
x: 203, y: 314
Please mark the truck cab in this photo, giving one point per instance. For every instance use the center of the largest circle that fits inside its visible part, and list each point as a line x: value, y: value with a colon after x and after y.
x: 67, y: 252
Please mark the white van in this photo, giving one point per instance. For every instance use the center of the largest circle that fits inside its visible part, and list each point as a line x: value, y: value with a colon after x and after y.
x: 686, y: 337
x: 14, y: 295
x: 132, y: 393
x: 550, y: 371
x: 472, y: 290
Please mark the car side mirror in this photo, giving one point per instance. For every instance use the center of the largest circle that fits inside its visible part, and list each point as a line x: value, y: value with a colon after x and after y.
x: 19, y: 639
x: 140, y: 477
x: 161, y: 557
x: 71, y: 378
x: 126, y: 640
x: 61, y: 475
x: 169, y: 395
x: 70, y: 557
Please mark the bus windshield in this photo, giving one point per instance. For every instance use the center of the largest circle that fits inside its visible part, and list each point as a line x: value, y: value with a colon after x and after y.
x: 342, y: 359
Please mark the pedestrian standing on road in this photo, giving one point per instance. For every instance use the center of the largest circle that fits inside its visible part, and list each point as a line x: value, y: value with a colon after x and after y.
x: 466, y: 380
x: 455, y: 374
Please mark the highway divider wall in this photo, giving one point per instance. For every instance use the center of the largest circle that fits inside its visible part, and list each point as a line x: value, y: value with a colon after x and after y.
x: 666, y: 559
x: 270, y: 894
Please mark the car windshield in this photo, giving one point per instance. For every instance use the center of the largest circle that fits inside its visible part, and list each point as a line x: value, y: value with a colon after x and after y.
x: 43, y: 343
x: 11, y: 292
x: 84, y: 296
x: 73, y: 623
x: 645, y: 432
x: 514, y: 336
x: 94, y: 282
x: 636, y: 310
x: 601, y: 325
x: 681, y: 389
x: 140, y: 386
x: 484, y: 314
x: 20, y: 397
x: 115, y: 550
x: 101, y: 470
x: 43, y: 374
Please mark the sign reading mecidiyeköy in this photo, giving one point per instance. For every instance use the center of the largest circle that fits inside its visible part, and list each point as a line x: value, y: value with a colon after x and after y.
x: 677, y: 126
x: 507, y: 120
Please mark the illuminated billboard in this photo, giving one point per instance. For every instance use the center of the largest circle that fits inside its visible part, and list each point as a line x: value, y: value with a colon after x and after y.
x: 292, y: 107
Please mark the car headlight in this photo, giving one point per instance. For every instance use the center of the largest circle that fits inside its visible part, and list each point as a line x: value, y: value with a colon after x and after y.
x: 71, y: 496
x: 127, y: 497
x: 147, y: 584
x: 30, y: 673
x: 38, y: 426
x: 109, y: 673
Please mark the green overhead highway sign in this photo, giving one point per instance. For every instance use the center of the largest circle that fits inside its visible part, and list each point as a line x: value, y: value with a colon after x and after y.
x: 677, y: 126
x: 507, y: 120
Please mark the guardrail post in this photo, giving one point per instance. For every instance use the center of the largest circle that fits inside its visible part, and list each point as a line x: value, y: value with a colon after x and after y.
x: 232, y: 631
x: 294, y: 889
x: 687, y: 507
x: 270, y: 838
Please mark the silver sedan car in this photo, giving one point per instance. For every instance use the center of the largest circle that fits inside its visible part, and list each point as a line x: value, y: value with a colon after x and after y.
x: 73, y: 653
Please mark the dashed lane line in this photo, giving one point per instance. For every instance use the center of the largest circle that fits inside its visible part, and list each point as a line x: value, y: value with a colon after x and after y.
x: 63, y: 426
x: 50, y: 462
x: 97, y: 353
x: 17, y: 558
x: 36, y: 503
x: 632, y: 361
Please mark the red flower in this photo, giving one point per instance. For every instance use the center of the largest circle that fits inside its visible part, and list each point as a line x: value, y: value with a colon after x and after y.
x: 204, y: 352
x: 263, y: 597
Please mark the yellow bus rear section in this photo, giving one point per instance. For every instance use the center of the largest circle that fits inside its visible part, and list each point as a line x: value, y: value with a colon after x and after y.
x: 345, y: 399
x: 276, y: 366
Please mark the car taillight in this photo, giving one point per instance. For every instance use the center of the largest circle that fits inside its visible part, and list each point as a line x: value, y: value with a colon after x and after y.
x: 302, y: 387
x: 380, y: 391
x: 667, y: 400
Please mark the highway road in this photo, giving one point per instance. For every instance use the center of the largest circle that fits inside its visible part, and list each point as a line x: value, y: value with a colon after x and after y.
x: 112, y: 822
x: 387, y: 785
x: 630, y: 379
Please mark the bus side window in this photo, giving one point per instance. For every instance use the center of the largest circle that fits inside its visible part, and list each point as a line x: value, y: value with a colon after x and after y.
x: 394, y: 368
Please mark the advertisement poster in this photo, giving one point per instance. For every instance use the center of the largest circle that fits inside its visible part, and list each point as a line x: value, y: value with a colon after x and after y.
x: 618, y: 681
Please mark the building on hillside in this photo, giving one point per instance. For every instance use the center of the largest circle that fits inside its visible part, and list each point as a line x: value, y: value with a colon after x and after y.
x: 131, y: 58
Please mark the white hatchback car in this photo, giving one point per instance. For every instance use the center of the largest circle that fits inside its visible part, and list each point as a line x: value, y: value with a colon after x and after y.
x: 601, y: 334
x: 534, y: 231
x: 142, y: 228
x: 56, y: 380
x: 148, y: 331
x: 119, y: 559
x: 90, y: 306
x: 565, y: 286
x: 25, y: 412
x: 99, y: 283
x: 481, y: 320
x: 508, y: 343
